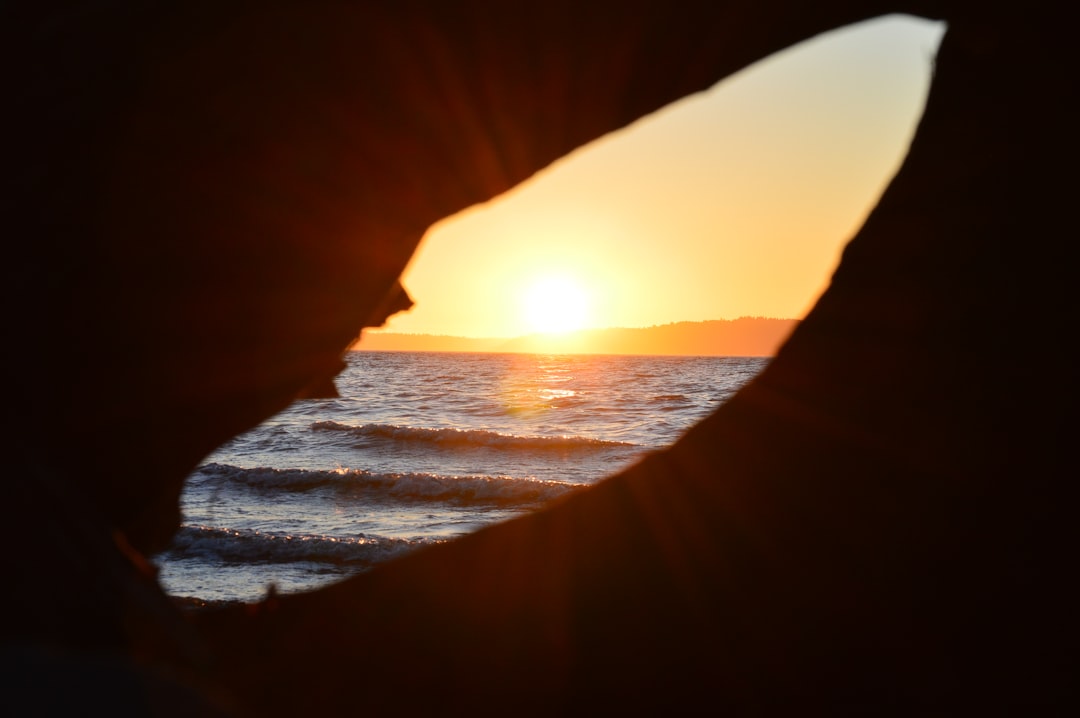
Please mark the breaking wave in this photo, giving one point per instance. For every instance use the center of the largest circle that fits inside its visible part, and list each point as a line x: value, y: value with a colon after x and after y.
x: 467, y: 490
x: 251, y: 546
x: 470, y: 437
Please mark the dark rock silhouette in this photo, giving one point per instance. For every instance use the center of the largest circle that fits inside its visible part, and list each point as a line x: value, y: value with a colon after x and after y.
x: 204, y: 202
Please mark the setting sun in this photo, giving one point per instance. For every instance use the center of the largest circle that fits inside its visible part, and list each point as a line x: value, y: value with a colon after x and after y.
x: 733, y: 202
x: 554, y: 304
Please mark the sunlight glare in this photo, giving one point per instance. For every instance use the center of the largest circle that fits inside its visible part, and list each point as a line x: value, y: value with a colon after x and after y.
x: 555, y: 304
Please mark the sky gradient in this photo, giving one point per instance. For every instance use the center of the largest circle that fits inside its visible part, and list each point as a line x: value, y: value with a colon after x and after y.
x: 733, y: 202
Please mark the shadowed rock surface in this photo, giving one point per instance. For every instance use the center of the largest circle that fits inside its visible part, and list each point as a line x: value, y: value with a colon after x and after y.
x: 205, y: 202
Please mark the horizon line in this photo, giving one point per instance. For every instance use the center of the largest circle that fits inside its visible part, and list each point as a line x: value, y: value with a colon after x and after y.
x: 385, y: 332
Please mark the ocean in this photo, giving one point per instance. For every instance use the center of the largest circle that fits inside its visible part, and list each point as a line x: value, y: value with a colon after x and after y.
x: 419, y: 448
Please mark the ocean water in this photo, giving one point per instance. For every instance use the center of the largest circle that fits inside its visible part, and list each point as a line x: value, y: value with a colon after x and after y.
x: 420, y: 448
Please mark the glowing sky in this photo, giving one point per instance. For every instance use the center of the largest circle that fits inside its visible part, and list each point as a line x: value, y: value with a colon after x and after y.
x: 735, y: 202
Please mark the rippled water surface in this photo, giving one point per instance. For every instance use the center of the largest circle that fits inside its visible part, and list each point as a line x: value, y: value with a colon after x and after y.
x: 422, y: 447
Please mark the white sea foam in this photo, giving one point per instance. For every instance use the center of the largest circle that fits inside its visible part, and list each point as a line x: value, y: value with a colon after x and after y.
x: 413, y: 486
x: 470, y: 437
x: 246, y: 545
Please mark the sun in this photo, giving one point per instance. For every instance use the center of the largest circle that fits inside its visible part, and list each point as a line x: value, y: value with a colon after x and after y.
x: 555, y: 304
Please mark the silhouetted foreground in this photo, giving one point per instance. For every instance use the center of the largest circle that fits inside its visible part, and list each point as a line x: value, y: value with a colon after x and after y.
x: 205, y: 201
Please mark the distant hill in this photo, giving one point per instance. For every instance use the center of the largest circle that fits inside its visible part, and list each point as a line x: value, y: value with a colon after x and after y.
x: 388, y: 341
x: 746, y: 336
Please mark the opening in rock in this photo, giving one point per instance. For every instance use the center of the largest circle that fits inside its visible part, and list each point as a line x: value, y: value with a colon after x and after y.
x: 734, y: 203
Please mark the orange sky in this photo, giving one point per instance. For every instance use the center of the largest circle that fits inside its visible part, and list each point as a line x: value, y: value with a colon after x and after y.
x: 735, y: 202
